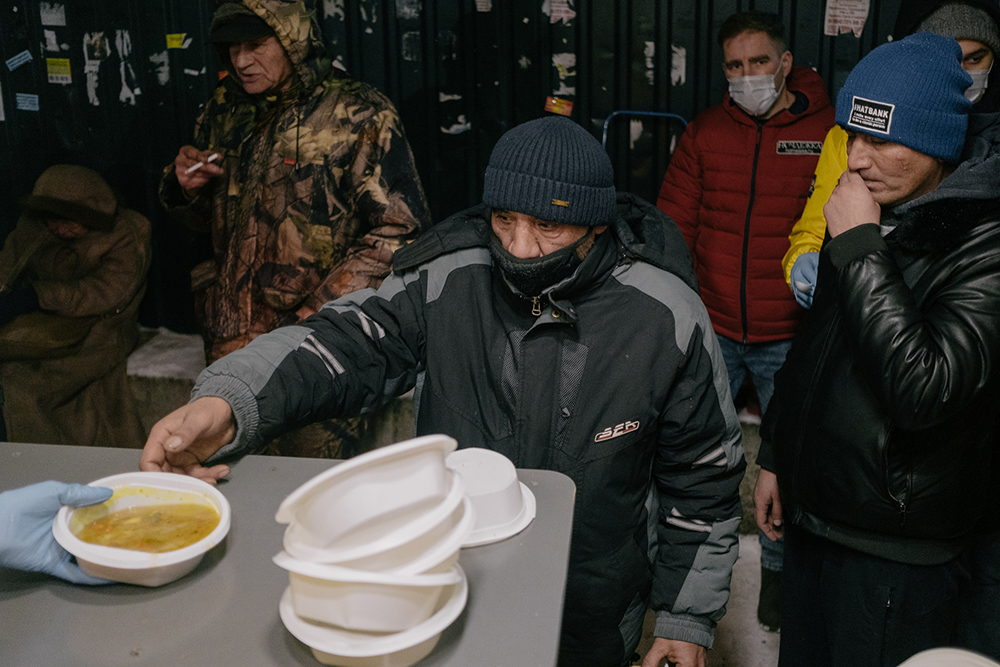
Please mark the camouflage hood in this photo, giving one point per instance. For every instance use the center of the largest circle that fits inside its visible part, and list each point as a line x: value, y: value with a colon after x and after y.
x: 297, y: 28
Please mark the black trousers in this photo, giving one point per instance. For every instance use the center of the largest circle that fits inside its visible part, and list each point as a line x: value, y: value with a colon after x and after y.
x: 979, y: 620
x: 844, y: 608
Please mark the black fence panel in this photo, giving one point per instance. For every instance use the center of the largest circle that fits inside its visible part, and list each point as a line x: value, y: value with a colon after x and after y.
x: 116, y: 84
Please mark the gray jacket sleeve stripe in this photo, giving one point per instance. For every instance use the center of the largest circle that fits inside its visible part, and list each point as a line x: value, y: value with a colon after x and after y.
x: 441, y: 267
x: 671, y: 291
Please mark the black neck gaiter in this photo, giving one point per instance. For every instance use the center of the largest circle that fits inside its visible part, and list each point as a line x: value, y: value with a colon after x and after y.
x: 531, y: 276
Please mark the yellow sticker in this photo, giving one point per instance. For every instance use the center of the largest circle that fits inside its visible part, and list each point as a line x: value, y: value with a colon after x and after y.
x: 176, y: 40
x: 58, y: 70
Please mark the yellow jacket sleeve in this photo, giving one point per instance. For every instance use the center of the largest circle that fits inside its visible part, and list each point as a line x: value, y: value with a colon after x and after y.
x: 809, y: 230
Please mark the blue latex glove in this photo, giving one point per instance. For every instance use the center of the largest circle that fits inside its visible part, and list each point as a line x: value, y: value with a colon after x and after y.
x: 26, y: 516
x: 803, y: 275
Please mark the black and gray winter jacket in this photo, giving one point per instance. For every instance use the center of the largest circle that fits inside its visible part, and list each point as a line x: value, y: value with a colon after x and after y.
x: 618, y: 383
x: 883, y: 427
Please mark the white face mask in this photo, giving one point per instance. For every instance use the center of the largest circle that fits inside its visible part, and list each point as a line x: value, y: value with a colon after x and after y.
x: 755, y: 94
x: 979, y: 83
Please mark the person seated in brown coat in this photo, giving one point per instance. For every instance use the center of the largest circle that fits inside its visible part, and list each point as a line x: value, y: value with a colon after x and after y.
x: 72, y: 274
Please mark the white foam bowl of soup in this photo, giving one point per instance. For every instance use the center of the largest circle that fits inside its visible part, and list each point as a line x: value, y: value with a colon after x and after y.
x: 360, y: 600
x: 504, y: 506
x: 159, y: 539
x: 370, y: 502
x: 349, y: 648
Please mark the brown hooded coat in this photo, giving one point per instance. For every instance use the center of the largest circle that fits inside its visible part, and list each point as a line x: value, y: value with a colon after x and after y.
x: 78, y: 395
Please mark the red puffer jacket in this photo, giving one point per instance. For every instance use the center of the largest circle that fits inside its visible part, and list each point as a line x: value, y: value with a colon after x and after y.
x: 735, y: 188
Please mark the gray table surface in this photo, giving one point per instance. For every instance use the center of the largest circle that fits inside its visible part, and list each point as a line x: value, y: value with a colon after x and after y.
x: 226, y: 611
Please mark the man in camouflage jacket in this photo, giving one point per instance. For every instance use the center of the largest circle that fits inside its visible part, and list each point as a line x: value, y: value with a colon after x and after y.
x: 314, y: 186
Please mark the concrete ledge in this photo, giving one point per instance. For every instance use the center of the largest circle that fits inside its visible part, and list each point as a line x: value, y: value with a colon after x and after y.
x: 162, y: 371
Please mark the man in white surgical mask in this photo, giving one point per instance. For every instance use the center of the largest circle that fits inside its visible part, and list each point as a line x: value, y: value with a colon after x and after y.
x: 735, y: 186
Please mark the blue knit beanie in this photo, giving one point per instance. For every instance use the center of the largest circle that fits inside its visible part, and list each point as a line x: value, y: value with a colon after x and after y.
x: 552, y: 169
x: 910, y: 92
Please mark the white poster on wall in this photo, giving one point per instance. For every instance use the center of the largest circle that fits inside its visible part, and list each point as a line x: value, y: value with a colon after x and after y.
x: 845, y: 16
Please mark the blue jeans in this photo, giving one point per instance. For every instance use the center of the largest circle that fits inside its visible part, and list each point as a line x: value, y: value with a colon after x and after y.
x: 762, y: 361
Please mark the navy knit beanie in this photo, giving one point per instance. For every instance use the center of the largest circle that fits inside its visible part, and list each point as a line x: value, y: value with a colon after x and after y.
x: 910, y: 92
x: 552, y: 169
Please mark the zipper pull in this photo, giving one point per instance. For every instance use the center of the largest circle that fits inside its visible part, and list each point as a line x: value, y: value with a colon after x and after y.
x: 536, y: 306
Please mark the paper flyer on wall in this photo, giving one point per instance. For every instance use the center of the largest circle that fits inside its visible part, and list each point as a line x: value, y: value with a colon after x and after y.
x: 845, y: 16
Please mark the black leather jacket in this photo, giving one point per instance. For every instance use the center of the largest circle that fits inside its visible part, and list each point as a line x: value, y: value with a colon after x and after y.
x: 884, y: 417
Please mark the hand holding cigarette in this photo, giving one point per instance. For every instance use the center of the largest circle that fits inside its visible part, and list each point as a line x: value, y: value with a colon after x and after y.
x: 198, y: 165
x: 194, y: 168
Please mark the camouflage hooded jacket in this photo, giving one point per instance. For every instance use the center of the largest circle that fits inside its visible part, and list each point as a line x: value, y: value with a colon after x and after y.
x: 319, y: 189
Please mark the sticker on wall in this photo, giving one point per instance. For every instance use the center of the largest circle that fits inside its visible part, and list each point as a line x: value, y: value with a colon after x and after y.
x: 678, y: 65
x: 484, y: 5
x: 52, y: 13
x: 559, y: 10
x: 58, y: 71
x: 16, y: 61
x: 194, y: 72
x: 26, y: 101
x: 178, y: 40
x: 556, y: 105
x: 845, y: 16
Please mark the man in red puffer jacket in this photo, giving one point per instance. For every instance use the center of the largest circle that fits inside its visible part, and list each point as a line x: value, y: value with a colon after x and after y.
x: 736, y: 184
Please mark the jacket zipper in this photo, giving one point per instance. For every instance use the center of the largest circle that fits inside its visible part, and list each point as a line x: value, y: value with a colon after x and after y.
x: 536, y: 306
x: 746, y: 234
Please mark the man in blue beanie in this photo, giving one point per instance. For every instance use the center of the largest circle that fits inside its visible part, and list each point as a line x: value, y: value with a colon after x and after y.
x: 883, y: 427
x: 560, y: 325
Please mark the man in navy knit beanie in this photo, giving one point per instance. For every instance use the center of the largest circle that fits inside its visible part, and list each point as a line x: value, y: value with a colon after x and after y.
x: 882, y: 434
x: 559, y: 324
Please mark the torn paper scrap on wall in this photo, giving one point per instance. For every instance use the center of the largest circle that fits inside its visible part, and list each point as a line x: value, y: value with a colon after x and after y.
x: 333, y: 9
x: 649, y: 51
x: 565, y: 64
x: 130, y: 86
x: 459, y: 127
x: 634, y: 132
x: 845, y: 16
x: 408, y: 9
x: 51, y: 43
x: 484, y: 5
x: 524, y: 62
x: 95, y: 49
x: 161, y: 65
x: 559, y: 10
x: 410, y: 47
x: 445, y: 97
x: 52, y: 13
x: 678, y: 65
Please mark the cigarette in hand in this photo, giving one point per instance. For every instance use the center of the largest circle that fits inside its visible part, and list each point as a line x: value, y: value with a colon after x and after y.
x: 198, y: 165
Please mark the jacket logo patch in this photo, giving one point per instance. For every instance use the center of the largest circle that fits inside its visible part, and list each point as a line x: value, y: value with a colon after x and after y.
x: 617, y: 430
x: 560, y: 202
x: 799, y: 147
x: 870, y: 115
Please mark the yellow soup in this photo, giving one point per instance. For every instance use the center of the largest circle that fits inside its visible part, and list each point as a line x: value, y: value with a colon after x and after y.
x: 152, y: 528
